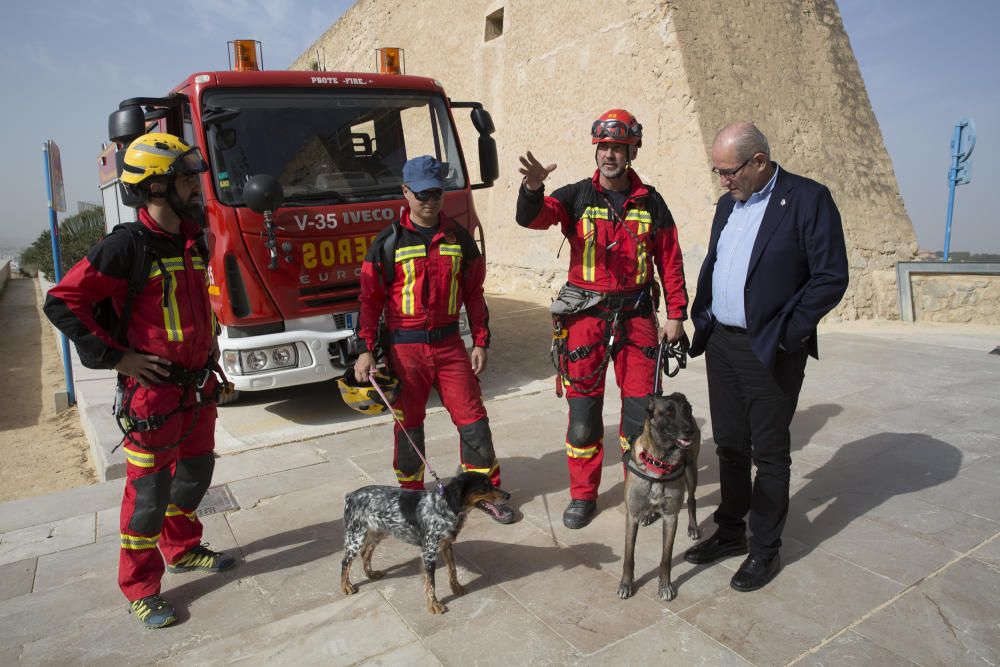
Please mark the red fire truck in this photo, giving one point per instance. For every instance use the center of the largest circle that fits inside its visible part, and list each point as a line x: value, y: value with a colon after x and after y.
x: 285, y: 286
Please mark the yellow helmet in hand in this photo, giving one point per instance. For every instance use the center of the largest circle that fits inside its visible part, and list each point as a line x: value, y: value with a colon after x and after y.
x: 363, y: 397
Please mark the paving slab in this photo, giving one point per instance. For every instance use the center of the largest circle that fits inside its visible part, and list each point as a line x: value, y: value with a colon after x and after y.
x: 950, y: 619
x: 891, y: 549
x: 47, y: 538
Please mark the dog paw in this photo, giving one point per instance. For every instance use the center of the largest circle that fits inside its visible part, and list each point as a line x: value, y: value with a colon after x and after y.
x: 625, y: 590
x: 667, y: 592
x: 375, y: 574
x: 436, y: 607
x: 457, y: 588
x: 349, y: 589
x: 694, y: 532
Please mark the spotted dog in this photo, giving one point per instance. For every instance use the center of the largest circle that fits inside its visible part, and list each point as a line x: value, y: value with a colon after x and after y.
x: 427, y: 519
x: 661, y: 464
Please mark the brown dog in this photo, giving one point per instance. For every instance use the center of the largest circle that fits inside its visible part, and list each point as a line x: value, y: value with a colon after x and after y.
x: 661, y: 463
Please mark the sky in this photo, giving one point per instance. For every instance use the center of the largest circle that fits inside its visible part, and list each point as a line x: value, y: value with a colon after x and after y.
x: 64, y: 66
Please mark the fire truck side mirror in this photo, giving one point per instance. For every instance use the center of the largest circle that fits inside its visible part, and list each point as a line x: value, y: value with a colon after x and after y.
x: 489, y: 167
x: 482, y: 121
x: 262, y: 193
x: 126, y: 124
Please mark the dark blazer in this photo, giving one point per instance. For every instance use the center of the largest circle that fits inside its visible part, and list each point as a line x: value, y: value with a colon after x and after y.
x: 797, y: 272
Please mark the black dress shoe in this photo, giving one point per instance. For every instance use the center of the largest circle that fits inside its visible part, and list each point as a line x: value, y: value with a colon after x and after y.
x: 713, y: 549
x: 579, y: 513
x: 755, y: 572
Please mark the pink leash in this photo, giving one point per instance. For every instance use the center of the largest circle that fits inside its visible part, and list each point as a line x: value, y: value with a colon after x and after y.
x: 371, y: 378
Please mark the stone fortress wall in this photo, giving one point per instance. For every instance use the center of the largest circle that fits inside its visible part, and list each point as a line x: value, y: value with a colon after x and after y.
x: 685, y: 68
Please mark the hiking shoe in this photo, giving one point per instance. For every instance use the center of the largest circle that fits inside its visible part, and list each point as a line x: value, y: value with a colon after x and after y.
x: 153, y: 611
x: 579, y: 513
x: 203, y: 559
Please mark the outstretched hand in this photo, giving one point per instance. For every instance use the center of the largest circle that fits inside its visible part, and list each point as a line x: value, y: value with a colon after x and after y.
x: 534, y: 172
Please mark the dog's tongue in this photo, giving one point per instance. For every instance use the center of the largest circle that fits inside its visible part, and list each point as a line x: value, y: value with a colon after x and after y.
x: 489, y: 508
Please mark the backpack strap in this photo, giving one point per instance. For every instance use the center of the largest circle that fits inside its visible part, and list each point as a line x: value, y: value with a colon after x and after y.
x: 388, y: 254
x: 138, y: 276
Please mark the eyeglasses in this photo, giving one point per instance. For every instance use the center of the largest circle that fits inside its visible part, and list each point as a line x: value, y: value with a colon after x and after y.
x: 729, y: 173
x: 425, y: 195
x: 614, y: 129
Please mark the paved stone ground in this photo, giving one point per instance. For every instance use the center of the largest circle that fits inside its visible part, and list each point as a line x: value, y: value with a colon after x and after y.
x: 891, y: 552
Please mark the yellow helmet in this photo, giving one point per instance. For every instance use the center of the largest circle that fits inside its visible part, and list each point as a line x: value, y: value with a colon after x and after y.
x: 159, y: 154
x: 363, y: 397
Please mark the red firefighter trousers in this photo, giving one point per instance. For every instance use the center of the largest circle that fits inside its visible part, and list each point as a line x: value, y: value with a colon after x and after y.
x: 445, y: 366
x: 164, y: 486
x: 634, y: 368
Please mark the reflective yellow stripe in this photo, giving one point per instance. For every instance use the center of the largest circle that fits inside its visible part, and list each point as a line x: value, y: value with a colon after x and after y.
x: 197, y: 263
x: 174, y: 510
x: 410, y: 252
x: 408, y: 305
x: 172, y: 315
x: 140, y: 459
x: 171, y: 264
x: 418, y: 476
x: 456, y: 265
x: 485, y: 471
x: 450, y: 250
x: 137, y: 543
x: 644, y: 220
x: 589, y: 228
x: 581, y: 452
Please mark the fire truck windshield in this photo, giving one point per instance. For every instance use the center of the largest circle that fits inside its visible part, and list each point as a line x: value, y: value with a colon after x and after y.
x: 329, y: 145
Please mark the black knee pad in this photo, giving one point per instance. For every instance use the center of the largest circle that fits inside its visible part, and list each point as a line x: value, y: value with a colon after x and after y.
x: 152, y: 493
x: 585, y: 424
x: 634, y: 411
x: 191, y: 480
x: 477, y: 443
x: 407, y: 460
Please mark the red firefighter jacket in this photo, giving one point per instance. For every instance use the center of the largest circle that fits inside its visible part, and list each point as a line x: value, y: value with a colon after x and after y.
x: 430, y: 282
x: 171, y: 317
x: 609, y: 255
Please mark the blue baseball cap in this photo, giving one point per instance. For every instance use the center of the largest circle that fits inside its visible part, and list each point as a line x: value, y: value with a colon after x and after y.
x: 424, y: 173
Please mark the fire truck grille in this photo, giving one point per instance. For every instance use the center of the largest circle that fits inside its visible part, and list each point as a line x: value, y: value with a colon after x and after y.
x: 321, y: 296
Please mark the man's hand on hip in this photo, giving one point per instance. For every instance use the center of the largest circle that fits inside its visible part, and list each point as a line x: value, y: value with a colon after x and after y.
x: 146, y: 368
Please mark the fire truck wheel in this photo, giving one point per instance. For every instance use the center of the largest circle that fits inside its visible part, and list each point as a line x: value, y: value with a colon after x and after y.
x: 229, y: 397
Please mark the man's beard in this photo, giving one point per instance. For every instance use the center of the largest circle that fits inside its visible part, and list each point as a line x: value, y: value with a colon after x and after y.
x: 612, y: 172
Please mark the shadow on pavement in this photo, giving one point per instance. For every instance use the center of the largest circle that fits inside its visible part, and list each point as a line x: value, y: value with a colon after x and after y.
x: 865, y: 474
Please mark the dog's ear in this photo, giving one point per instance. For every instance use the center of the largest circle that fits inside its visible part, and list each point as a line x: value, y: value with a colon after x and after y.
x: 650, y: 405
x: 454, y: 494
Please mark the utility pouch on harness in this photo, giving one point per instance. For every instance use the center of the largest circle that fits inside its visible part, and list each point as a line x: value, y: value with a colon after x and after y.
x: 572, y: 300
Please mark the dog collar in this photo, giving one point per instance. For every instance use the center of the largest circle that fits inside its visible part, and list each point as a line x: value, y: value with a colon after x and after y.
x: 664, y: 472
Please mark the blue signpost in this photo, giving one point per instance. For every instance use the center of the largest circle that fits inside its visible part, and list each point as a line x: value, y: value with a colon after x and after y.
x: 57, y: 201
x: 960, y: 173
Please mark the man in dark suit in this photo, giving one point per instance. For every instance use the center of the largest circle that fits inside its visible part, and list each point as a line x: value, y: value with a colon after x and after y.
x: 776, y: 264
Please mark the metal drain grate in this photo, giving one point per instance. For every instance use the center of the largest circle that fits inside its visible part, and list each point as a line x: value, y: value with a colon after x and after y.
x: 217, y: 499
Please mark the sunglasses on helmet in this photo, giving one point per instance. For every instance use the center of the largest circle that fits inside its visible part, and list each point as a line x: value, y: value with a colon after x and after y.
x: 614, y: 129
x: 190, y: 162
x: 425, y: 195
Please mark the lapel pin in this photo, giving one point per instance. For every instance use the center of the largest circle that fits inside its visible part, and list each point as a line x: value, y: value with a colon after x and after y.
x: 782, y: 202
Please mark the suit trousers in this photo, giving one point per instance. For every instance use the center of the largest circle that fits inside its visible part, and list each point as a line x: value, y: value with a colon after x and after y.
x: 752, y: 408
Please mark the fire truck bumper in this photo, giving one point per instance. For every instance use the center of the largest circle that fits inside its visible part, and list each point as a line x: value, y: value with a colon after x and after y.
x: 297, y: 355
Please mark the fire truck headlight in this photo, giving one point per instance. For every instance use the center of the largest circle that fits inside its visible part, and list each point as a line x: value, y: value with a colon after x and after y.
x: 231, y: 362
x: 283, y: 356
x: 255, y: 360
